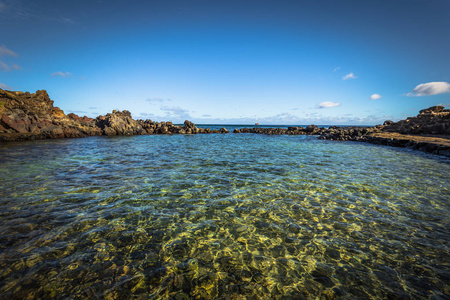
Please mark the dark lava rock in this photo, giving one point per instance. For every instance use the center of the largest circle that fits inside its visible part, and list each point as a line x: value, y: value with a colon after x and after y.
x: 33, y: 116
x: 119, y: 123
x: 433, y: 120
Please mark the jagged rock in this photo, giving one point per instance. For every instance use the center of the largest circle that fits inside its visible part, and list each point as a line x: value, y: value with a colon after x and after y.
x: 312, y: 128
x: 223, y: 130
x: 433, y: 120
x: 190, y: 127
x: 433, y: 109
x: 33, y: 116
x: 119, y: 123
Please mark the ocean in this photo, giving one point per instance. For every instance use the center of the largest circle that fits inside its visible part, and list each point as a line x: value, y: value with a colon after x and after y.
x: 222, y: 216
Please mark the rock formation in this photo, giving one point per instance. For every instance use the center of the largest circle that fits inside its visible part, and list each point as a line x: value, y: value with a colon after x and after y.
x: 33, y: 116
x: 434, y: 120
x: 429, y: 131
x: 119, y: 123
x: 26, y: 116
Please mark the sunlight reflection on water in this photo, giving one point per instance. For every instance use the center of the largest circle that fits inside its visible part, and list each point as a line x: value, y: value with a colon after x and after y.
x: 221, y: 216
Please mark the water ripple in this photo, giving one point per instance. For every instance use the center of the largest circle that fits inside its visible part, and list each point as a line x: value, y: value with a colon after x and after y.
x: 222, y: 216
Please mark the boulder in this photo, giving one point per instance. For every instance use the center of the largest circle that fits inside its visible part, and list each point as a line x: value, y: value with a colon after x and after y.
x: 311, y: 129
x: 119, y: 123
x: 433, y: 109
x: 190, y: 127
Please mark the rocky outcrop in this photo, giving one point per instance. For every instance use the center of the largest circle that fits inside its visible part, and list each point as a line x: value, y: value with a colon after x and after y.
x: 429, y: 132
x: 349, y: 133
x: 32, y: 116
x: 433, y: 120
x: 119, y: 123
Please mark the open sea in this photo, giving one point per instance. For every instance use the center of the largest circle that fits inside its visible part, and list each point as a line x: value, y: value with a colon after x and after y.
x: 222, y: 216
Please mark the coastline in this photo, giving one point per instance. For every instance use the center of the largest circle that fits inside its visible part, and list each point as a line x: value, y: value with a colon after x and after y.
x: 26, y: 116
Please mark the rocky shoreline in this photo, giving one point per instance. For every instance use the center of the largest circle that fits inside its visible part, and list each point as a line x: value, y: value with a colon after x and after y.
x: 26, y: 116
x: 429, y: 131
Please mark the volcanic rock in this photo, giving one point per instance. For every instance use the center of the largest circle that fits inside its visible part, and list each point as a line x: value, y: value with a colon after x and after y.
x: 119, y: 123
x: 33, y: 116
x: 433, y: 120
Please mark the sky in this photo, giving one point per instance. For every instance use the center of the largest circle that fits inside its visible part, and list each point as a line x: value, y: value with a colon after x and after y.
x: 325, y: 62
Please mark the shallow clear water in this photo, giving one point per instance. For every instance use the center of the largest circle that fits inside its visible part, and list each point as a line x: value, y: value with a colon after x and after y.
x: 236, y: 216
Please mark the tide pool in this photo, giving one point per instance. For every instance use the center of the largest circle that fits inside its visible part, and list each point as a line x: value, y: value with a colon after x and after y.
x: 222, y: 216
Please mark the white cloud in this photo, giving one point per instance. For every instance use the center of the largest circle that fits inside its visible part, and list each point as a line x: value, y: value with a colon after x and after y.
x: 4, y: 86
x: 7, y: 52
x: 336, y: 69
x: 349, y: 76
x: 6, y: 67
x: 328, y: 104
x: 61, y: 74
x: 430, y: 88
x: 375, y: 97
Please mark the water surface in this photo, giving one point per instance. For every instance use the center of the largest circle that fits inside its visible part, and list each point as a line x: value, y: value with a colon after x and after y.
x: 237, y: 216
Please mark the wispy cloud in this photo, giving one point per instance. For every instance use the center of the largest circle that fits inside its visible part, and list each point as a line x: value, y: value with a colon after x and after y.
x: 157, y: 100
x: 7, y: 52
x: 29, y: 11
x: 328, y: 104
x: 4, y: 86
x: 430, y: 88
x: 375, y: 97
x: 61, y: 74
x: 8, y: 67
x: 287, y: 118
x: 78, y: 112
x: 146, y: 116
x: 349, y: 76
x: 176, y: 112
x: 336, y: 69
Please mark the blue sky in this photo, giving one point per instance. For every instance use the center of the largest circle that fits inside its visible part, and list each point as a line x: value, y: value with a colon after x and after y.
x: 231, y: 62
